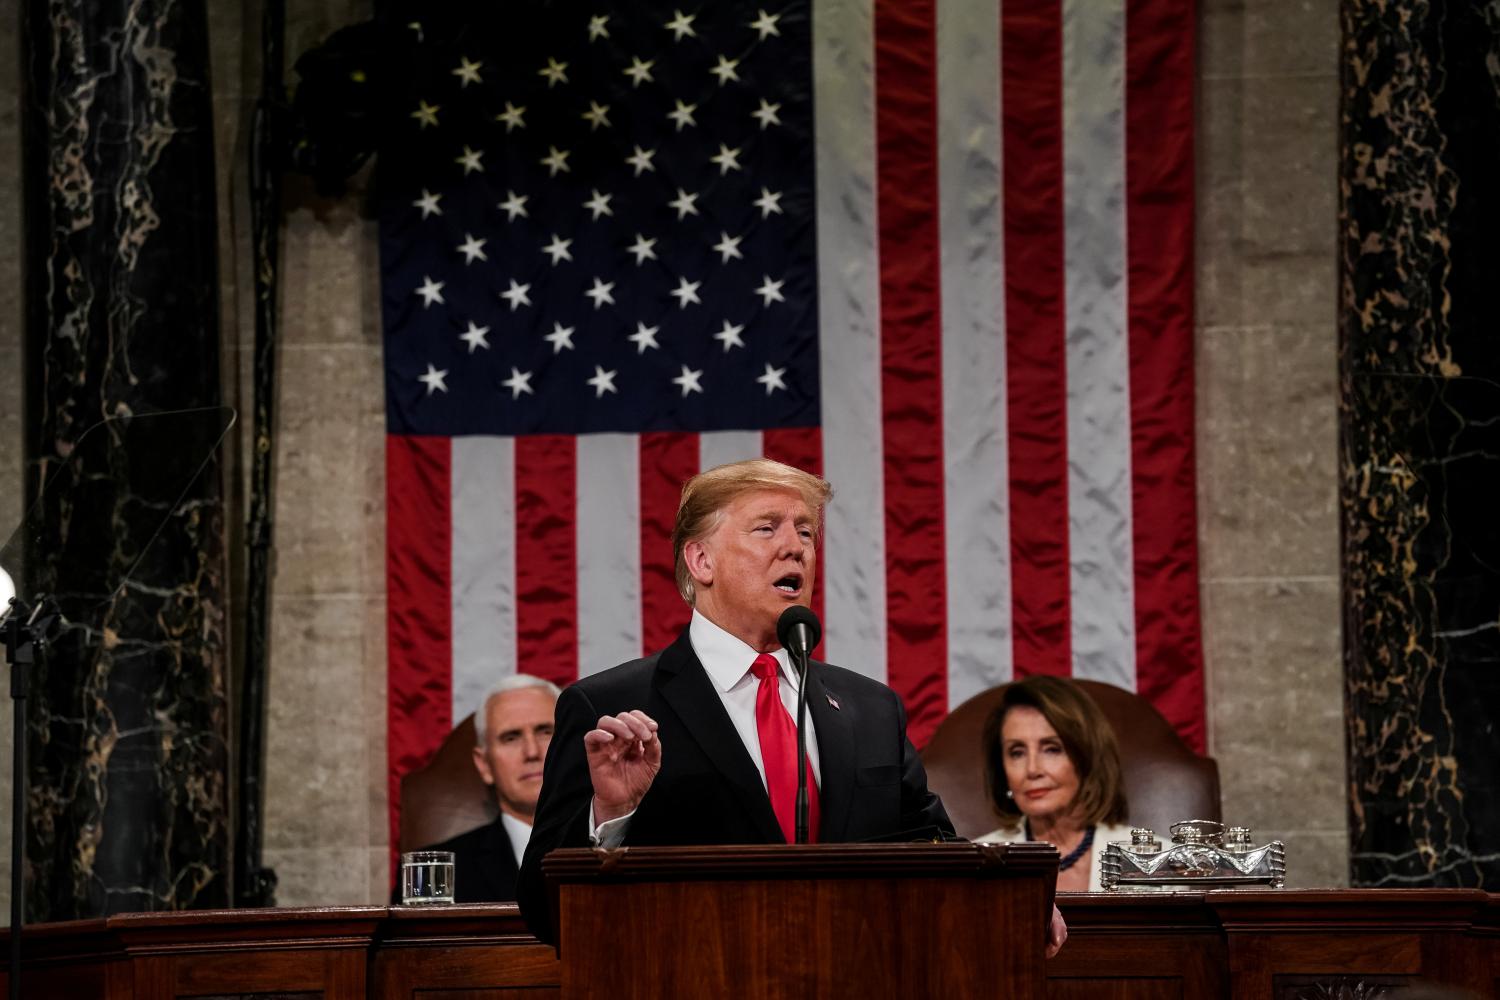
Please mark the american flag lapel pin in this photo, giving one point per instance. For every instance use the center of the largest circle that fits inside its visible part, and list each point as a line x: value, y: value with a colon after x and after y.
x: 832, y: 700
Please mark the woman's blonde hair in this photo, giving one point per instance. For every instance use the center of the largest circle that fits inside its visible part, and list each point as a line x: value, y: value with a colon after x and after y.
x: 706, y: 496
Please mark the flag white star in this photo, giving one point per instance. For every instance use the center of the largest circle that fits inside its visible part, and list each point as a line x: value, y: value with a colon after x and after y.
x: 470, y: 161
x: 641, y: 160
x: 516, y: 295
x: 597, y: 29
x: 426, y: 114
x: 560, y: 337
x: 472, y: 248
x: 603, y: 381
x: 727, y: 159
x: 772, y: 379
x: 554, y: 71
x: 518, y: 383
x: 558, y: 249
x: 475, y: 337
x: 467, y: 72
x: 728, y: 246
x: 596, y: 115
x: 556, y: 160
x: 768, y: 202
x: 684, y: 204
x: 770, y: 291
x: 730, y: 336
x: 725, y: 70
x: 639, y: 70
x: 428, y: 203
x: 766, y: 114
x: 600, y: 293
x: 599, y: 204
x: 680, y: 25
x: 688, y: 380
x: 513, y: 117
x: 431, y: 291
x: 644, y: 337
x: 766, y: 25
x: 514, y: 205
x: 683, y: 115
x: 641, y: 248
x: 685, y: 292
x: 434, y: 379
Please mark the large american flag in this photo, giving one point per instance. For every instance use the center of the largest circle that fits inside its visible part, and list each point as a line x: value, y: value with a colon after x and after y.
x: 940, y: 253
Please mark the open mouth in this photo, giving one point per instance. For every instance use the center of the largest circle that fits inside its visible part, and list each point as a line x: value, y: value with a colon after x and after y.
x: 790, y: 584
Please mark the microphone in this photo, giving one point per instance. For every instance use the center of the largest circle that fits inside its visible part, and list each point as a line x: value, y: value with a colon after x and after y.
x: 799, y: 630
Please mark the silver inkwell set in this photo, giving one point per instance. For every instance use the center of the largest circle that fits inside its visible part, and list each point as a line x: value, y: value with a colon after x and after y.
x: 1201, y: 855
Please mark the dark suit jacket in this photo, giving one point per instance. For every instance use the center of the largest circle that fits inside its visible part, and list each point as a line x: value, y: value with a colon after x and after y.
x: 708, y: 791
x: 484, y: 866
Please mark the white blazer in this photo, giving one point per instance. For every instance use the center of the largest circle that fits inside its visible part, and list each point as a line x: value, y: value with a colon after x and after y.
x: 1103, y: 834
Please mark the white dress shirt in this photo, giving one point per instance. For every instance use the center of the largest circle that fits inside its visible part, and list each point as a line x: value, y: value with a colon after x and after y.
x: 519, y: 832
x: 727, y: 661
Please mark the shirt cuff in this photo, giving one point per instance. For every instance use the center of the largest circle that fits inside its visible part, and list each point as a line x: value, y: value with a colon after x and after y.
x: 610, y: 834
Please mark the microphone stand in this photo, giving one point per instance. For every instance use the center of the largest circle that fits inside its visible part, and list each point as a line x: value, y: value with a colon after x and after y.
x: 22, y: 635
x: 799, y: 654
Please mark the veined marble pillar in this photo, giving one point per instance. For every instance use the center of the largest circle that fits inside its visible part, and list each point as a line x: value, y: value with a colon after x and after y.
x: 1420, y: 439
x: 128, y: 763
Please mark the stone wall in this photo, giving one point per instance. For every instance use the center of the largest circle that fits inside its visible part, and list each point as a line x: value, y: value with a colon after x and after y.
x: 1268, y: 421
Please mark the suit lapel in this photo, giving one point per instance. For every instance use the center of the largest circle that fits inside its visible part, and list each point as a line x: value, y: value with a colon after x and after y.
x: 835, y: 756
x: 500, y: 868
x: 685, y: 687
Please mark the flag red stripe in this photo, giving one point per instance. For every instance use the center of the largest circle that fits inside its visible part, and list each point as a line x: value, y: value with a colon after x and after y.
x: 419, y: 615
x: 911, y: 357
x: 801, y: 447
x: 1036, y: 366
x: 1159, y: 207
x: 546, y: 480
x: 667, y: 461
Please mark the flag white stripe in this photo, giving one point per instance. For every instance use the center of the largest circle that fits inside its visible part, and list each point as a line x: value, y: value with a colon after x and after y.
x: 853, y: 575
x: 483, y: 485
x: 1098, y: 359
x: 975, y: 456
x: 723, y: 447
x: 609, y: 551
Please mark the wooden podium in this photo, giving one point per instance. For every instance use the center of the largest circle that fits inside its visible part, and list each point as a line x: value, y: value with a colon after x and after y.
x: 834, y: 920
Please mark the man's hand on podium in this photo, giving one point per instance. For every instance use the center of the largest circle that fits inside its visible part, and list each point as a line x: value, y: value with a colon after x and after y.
x: 1057, y: 932
x: 624, y: 754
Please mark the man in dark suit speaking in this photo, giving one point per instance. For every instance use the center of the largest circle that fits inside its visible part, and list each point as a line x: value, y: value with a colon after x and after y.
x: 696, y: 744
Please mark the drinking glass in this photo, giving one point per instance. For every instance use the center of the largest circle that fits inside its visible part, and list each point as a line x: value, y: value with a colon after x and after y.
x: 426, y: 877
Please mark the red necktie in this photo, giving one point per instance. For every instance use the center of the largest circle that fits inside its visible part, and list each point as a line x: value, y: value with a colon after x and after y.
x: 778, y: 751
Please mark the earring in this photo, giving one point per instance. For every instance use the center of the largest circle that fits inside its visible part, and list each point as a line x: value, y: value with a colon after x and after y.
x: 1009, y: 794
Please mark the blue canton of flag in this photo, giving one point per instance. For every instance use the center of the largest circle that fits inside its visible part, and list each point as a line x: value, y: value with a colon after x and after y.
x: 597, y: 219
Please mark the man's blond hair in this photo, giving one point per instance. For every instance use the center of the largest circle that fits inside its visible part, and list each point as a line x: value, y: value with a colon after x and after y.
x: 706, y: 496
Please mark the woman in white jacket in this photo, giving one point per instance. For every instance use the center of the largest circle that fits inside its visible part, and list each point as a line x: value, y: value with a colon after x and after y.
x: 1054, y: 769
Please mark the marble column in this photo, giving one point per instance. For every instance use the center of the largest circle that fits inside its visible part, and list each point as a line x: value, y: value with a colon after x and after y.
x: 128, y: 722
x: 1420, y: 439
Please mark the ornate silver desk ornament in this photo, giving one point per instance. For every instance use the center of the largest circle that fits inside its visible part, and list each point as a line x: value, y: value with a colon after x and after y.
x: 1201, y: 854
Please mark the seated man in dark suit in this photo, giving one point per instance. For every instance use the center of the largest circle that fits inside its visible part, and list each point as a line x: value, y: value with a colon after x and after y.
x: 511, y: 733
x: 696, y: 744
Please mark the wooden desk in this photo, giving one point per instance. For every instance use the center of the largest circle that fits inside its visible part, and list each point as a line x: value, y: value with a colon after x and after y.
x: 1276, y: 944
x: 1249, y: 945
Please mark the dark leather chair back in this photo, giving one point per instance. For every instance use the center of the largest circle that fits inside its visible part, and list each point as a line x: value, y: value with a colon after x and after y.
x: 1164, y: 780
x: 447, y: 797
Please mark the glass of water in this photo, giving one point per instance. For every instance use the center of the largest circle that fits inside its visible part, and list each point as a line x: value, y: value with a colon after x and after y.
x: 426, y: 877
